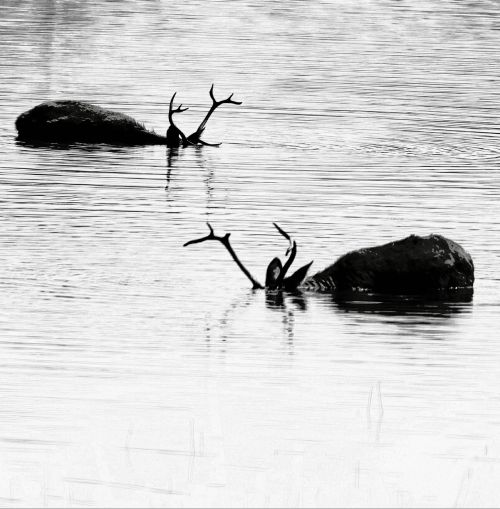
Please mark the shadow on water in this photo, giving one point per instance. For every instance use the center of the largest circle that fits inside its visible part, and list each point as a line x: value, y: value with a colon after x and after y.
x: 435, y: 305
x: 82, y: 147
x: 408, y: 317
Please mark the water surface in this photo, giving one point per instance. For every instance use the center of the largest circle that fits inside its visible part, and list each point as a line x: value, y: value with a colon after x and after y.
x: 136, y: 372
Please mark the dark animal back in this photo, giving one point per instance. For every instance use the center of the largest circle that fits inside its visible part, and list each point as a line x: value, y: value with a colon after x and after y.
x: 77, y: 121
x: 411, y: 265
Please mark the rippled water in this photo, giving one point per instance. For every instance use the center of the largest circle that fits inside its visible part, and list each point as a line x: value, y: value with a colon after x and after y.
x: 136, y: 372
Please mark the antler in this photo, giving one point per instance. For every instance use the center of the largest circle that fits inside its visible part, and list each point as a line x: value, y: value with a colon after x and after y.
x: 225, y: 241
x: 173, y: 131
x: 292, y: 250
x: 287, y: 237
x: 218, y: 103
x: 290, y: 283
x: 195, y: 137
x: 179, y: 108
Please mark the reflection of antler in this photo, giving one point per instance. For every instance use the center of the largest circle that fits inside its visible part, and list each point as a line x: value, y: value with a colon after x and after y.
x: 195, y: 137
x: 225, y: 241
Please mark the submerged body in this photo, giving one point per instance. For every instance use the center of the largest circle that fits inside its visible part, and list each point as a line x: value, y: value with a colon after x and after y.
x: 413, y: 265
x: 78, y: 121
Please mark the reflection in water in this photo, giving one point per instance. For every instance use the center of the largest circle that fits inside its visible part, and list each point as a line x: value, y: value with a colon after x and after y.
x: 201, y: 162
x: 204, y: 163
x: 410, y: 315
x: 399, y: 305
x: 281, y: 299
x: 237, y: 306
x: 172, y: 155
x: 287, y: 303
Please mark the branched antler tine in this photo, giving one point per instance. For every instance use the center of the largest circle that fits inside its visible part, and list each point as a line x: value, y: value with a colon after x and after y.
x: 195, y: 137
x: 171, y: 108
x: 176, y: 130
x: 179, y: 108
x: 218, y: 103
x: 172, y: 102
x: 210, y: 236
x: 197, y: 241
x: 225, y: 242
x: 229, y: 100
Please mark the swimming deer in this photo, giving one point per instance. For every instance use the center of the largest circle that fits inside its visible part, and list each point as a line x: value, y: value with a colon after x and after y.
x: 78, y: 121
x: 413, y: 265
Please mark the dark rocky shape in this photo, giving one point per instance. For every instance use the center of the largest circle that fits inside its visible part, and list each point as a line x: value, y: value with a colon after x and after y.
x: 413, y: 265
x: 77, y: 121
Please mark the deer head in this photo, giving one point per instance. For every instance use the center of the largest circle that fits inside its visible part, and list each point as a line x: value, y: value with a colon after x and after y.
x: 276, y: 272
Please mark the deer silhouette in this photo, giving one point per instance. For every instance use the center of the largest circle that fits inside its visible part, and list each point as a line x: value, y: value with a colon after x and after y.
x: 413, y: 265
x: 78, y: 121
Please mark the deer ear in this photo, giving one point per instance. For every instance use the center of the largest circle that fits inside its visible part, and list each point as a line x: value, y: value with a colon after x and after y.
x: 273, y: 272
x: 292, y: 282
